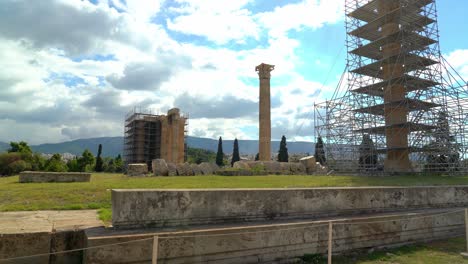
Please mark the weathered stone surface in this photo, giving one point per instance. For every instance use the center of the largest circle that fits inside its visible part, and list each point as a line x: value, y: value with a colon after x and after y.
x: 184, y: 169
x: 273, y: 242
x: 241, y: 165
x: 172, y: 169
x: 40, y: 176
x: 285, y: 168
x: 196, y: 169
x: 42, y: 232
x: 272, y: 167
x: 160, y: 167
x: 137, y: 169
x: 208, y: 168
x: 234, y: 172
x: 309, y: 163
x: 320, y: 169
x: 193, y: 207
x: 297, y: 168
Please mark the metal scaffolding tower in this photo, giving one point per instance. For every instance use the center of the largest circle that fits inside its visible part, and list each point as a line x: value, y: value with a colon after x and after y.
x: 404, y: 109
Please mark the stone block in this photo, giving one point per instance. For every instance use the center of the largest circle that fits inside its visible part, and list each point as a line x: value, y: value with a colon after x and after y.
x: 272, y: 167
x: 309, y: 163
x: 297, y: 168
x: 159, y: 167
x: 196, y: 169
x: 41, y: 176
x: 223, y: 206
x: 241, y: 165
x: 320, y: 169
x: 172, y: 169
x: 285, y: 168
x: 184, y: 169
x: 137, y: 169
x: 208, y: 168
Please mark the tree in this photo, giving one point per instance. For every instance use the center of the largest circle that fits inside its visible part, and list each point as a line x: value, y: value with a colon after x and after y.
x: 56, y: 164
x: 118, y: 164
x: 367, y: 153
x: 86, y: 161
x: 220, y: 154
x: 99, y: 161
x: 73, y: 165
x: 12, y: 163
x: 283, y: 155
x: 320, y: 152
x: 235, y: 153
x: 196, y: 155
x: 20, y: 147
x: 257, y: 157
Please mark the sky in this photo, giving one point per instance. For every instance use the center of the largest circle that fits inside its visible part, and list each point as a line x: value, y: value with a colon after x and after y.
x: 74, y: 68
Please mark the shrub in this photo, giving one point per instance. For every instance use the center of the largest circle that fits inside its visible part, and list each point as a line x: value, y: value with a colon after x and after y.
x: 18, y: 166
x: 6, y: 159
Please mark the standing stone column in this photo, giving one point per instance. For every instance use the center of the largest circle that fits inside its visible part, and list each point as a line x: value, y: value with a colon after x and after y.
x: 397, y: 159
x: 264, y: 74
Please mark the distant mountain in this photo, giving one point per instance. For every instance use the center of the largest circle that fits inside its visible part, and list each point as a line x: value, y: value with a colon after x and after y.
x: 112, y: 146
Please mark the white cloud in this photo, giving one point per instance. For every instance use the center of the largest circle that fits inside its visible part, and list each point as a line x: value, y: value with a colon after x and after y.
x: 42, y: 63
x: 218, y: 21
x: 309, y: 13
x: 458, y: 59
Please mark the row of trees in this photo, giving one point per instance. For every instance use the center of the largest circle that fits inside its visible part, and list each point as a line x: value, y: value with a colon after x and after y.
x: 20, y: 158
x: 283, y: 155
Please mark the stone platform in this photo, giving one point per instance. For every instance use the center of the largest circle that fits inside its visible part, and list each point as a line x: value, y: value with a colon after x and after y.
x: 39, y: 232
x: 166, y: 208
x: 40, y: 176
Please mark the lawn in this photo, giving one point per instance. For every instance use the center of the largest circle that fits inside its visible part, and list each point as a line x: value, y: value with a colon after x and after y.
x: 439, y: 252
x: 96, y: 194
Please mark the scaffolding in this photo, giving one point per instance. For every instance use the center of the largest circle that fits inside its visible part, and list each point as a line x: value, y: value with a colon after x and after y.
x: 399, y: 107
x: 142, y: 137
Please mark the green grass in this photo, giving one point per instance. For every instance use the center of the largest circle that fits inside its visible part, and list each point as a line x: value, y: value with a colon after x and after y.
x: 96, y: 194
x: 439, y: 252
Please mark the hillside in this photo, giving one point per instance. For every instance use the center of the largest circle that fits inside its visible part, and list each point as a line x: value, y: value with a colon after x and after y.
x: 112, y: 146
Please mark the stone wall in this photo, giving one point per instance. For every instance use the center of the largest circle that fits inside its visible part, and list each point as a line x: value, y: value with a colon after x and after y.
x: 159, y: 208
x: 39, y: 176
x: 273, y: 242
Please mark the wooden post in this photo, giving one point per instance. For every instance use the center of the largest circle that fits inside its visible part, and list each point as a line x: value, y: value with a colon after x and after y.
x: 330, y: 240
x: 155, y: 250
x: 466, y: 228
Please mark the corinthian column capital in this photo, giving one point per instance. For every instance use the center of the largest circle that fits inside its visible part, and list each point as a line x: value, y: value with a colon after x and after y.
x: 264, y: 70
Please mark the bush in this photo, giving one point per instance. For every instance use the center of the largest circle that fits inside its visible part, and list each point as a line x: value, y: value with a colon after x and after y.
x: 258, y: 169
x: 6, y: 159
x: 18, y: 166
x: 56, y: 164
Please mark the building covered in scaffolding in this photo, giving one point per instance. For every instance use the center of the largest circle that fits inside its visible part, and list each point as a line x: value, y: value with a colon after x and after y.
x: 404, y: 109
x: 150, y: 136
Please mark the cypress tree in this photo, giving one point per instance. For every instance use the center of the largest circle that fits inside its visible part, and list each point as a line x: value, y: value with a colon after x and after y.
x: 220, y: 154
x: 283, y: 155
x: 99, y: 161
x: 257, y: 157
x: 235, y: 153
x: 320, y: 152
